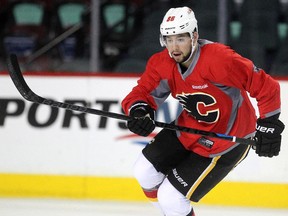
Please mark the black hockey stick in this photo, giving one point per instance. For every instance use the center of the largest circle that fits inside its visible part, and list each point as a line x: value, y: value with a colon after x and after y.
x: 28, y: 94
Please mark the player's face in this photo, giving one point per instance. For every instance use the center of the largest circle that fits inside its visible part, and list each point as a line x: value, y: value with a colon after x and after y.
x: 179, y: 46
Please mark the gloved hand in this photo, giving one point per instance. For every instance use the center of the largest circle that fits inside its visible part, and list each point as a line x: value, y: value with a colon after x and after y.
x: 268, y: 136
x: 143, y: 121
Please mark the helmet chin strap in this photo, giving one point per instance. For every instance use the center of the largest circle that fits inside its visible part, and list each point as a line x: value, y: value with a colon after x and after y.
x: 192, y: 51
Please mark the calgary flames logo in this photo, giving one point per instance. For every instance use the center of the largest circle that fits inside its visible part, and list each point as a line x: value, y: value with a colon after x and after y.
x: 201, y: 106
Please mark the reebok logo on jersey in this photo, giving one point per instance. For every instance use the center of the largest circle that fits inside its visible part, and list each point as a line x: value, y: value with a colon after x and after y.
x: 265, y: 129
x: 200, y: 86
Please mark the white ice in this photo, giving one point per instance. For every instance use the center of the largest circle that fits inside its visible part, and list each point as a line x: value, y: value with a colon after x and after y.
x: 60, y: 207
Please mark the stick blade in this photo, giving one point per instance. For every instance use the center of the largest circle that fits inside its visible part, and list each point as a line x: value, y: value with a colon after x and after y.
x: 18, y: 79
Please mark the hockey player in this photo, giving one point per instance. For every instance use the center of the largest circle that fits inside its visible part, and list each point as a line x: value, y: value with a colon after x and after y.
x: 211, y: 82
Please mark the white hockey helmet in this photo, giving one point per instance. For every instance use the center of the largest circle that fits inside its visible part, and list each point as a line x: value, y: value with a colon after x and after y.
x: 178, y: 21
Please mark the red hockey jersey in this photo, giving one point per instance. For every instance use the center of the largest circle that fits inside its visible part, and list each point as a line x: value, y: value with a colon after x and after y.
x: 213, y: 94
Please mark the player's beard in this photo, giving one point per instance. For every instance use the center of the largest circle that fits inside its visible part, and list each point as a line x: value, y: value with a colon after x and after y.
x: 186, y: 57
x: 181, y: 59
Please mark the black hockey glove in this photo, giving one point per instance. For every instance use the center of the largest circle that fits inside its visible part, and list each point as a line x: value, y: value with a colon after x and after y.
x: 268, y: 134
x: 143, y: 121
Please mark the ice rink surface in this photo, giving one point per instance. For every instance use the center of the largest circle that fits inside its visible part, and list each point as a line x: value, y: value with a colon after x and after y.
x: 55, y: 207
